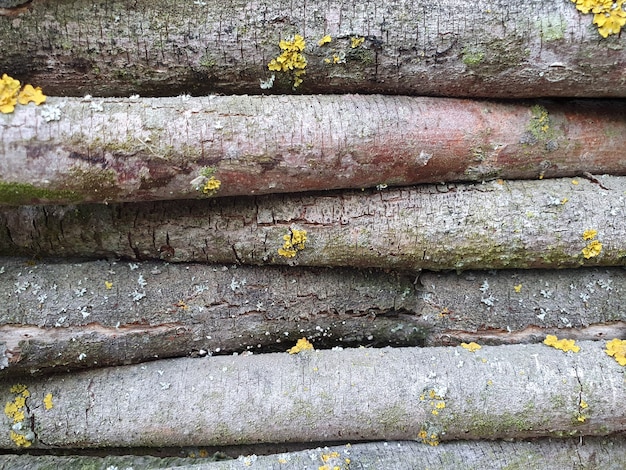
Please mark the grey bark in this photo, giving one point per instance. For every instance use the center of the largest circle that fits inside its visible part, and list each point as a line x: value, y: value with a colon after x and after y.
x: 451, y: 47
x: 503, y: 224
x: 53, y: 312
x: 608, y: 453
x: 429, y: 394
x: 147, y: 149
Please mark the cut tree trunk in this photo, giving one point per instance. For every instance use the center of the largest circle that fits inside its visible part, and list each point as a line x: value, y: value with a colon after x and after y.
x: 148, y: 149
x: 503, y: 224
x: 607, y: 453
x: 54, y: 312
x: 428, y: 394
x: 451, y: 48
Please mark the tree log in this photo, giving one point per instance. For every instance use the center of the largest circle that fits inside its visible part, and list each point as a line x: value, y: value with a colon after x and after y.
x: 54, y: 312
x: 450, y: 47
x: 148, y: 149
x: 608, y: 453
x: 503, y: 224
x: 428, y: 394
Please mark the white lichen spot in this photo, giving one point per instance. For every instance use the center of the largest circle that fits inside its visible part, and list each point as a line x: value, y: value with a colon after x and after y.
x: 489, y: 301
x: 485, y: 286
x: 97, y: 106
x: 136, y: 295
x: 82, y: 356
x: 605, y: 284
x: 546, y: 293
x: 165, y: 385
x: 21, y: 286
x: 80, y: 292
x: 51, y: 113
x: 269, y: 83
x: 133, y: 266
x: 60, y: 321
x: 584, y: 296
x: 141, y: 281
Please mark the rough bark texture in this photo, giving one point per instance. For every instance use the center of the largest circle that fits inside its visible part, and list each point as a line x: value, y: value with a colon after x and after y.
x: 429, y: 394
x: 146, y: 149
x: 449, y: 47
x: 503, y: 224
x: 53, y: 312
x: 607, y: 453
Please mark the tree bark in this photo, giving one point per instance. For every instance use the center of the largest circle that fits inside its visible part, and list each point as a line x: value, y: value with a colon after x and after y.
x: 451, y: 48
x: 514, y: 224
x: 148, y: 149
x: 429, y: 394
x: 608, y: 453
x: 54, y: 312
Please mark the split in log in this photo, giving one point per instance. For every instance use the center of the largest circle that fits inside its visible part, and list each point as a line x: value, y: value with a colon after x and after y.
x: 450, y: 48
x: 607, y: 453
x: 63, y: 316
x: 502, y: 224
x: 426, y: 394
x: 169, y: 148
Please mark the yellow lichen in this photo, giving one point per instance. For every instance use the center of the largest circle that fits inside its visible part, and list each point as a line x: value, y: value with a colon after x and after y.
x: 10, y: 94
x: 592, y: 249
x: 562, y: 344
x: 590, y: 234
x: 302, y: 345
x: 211, y: 185
x: 293, y: 242
x: 471, y: 347
x: 291, y: 59
x: 517, y: 288
x: 19, y: 439
x: 356, y: 42
x: 29, y: 93
x: 14, y: 410
x: 325, y: 40
x: 616, y: 348
x: 108, y: 285
x: 47, y: 401
x: 608, y: 15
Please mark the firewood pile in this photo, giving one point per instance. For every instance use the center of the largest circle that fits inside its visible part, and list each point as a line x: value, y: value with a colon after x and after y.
x: 319, y: 236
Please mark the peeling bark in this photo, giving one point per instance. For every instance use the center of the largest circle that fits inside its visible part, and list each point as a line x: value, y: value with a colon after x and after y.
x: 54, y: 312
x: 505, y: 224
x: 451, y: 48
x: 437, y: 394
x: 608, y: 453
x: 149, y: 149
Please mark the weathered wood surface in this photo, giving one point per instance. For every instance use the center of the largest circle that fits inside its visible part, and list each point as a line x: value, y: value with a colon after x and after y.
x: 429, y: 394
x: 450, y: 47
x: 502, y: 224
x: 147, y: 149
x: 54, y: 312
x: 608, y: 453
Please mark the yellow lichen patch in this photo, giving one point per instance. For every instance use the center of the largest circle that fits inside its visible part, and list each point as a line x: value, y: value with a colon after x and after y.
x: 10, y: 94
x: 594, y: 247
x: 616, y: 348
x: 592, y: 250
x: 356, y: 42
x: 562, y: 344
x: 325, y: 40
x: 608, y: 15
x: 575, y: 182
x: 108, y: 285
x: 47, y: 401
x: 211, y: 185
x: 430, y: 439
x: 517, y: 288
x: 590, y: 234
x: 303, y: 344
x: 15, y: 410
x: 291, y: 59
x: 564, y: 200
x: 30, y: 93
x: 293, y: 242
x: 471, y: 347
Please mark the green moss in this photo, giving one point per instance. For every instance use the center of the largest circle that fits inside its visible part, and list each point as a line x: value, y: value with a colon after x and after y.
x: 24, y: 194
x: 93, y: 181
x: 472, y: 56
x: 552, y: 28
